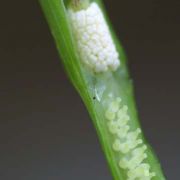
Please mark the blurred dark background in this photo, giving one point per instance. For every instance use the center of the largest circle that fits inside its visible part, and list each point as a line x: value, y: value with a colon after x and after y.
x: 45, y: 130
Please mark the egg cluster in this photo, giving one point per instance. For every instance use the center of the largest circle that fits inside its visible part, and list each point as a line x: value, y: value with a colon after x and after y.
x: 127, y: 142
x: 94, y: 42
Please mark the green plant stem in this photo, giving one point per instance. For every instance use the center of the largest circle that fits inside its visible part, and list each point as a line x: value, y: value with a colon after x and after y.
x: 94, y: 89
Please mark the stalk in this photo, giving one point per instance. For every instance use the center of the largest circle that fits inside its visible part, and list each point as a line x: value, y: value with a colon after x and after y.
x: 96, y: 65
